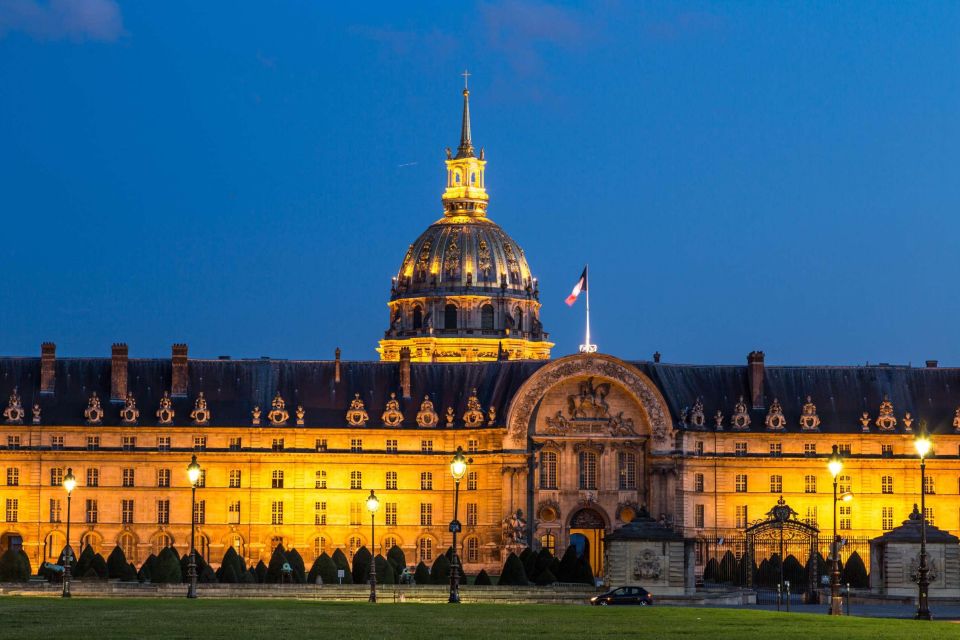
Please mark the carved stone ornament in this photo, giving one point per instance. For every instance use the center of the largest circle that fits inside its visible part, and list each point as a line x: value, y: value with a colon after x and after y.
x: 491, y: 416
x: 647, y: 566
x: 200, y: 414
x: 473, y: 417
x: 94, y: 412
x: 809, y: 420
x: 775, y: 419
x: 427, y: 416
x: 697, y: 417
x: 255, y: 416
x: 956, y: 420
x: 886, y: 420
x: 548, y: 511
x: 908, y: 422
x: 865, y: 422
x: 449, y: 416
x: 278, y: 414
x: 300, y: 415
x: 14, y: 412
x: 36, y: 413
x: 165, y: 412
x: 357, y: 414
x: 718, y: 420
x: 740, y: 421
x: 129, y: 413
x: 391, y: 416
x: 590, y: 401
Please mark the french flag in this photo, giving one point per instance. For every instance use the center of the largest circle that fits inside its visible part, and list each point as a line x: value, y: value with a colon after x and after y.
x: 577, y: 288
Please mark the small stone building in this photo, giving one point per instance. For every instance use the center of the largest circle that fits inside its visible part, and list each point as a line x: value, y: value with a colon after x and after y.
x: 895, y: 558
x: 649, y: 554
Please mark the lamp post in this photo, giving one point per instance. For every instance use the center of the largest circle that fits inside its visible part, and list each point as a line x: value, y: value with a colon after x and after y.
x: 69, y: 483
x: 835, y: 465
x: 922, y: 444
x: 458, y: 469
x: 372, y: 505
x: 193, y: 473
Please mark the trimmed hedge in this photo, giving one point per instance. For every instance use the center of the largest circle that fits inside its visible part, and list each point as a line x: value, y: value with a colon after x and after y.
x: 340, y: 561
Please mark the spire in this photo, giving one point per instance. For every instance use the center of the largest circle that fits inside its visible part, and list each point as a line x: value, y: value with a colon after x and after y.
x: 465, y: 150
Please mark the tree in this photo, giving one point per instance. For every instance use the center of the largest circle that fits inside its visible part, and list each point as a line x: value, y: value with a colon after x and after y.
x: 116, y: 563
x: 275, y: 568
x: 795, y: 573
x: 231, y: 567
x: 340, y: 561
x: 728, y: 568
x: 323, y: 568
x: 166, y: 568
x: 512, y: 573
x: 440, y: 571
x: 84, y: 561
x: 855, y: 572
x: 296, y: 563
x: 585, y: 571
x: 385, y: 573
x: 204, y: 572
x: 146, y: 569
x: 545, y: 577
x: 397, y: 558
x: 14, y: 566
x: 361, y: 565
x: 249, y: 577
x: 482, y: 579
x: 711, y: 570
x: 130, y: 574
x: 542, y: 562
x: 260, y: 572
x: 98, y: 566
x: 422, y: 574
x: 529, y: 560
x: 568, y: 565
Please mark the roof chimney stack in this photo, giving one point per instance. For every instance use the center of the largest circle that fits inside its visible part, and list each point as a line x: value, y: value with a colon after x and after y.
x: 118, y: 372
x: 755, y: 373
x: 656, y: 357
x: 178, y: 379
x: 932, y: 364
x: 48, y: 361
x: 336, y: 366
x: 405, y: 371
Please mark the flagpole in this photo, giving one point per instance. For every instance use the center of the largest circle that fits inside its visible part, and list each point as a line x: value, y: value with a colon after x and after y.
x: 588, y: 347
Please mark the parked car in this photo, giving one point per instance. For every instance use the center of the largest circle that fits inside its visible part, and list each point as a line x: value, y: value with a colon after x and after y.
x: 624, y: 595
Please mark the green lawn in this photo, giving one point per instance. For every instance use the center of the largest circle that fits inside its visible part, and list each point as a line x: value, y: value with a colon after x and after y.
x: 25, y: 617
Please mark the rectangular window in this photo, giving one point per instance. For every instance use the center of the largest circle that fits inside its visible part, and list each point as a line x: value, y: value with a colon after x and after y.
x: 13, y: 477
x: 698, y: 447
x: 886, y: 450
x: 320, y: 479
x: 128, y: 443
x: 776, y: 449
x: 846, y: 513
x: 54, y: 510
x: 200, y: 443
x: 200, y: 512
x: 426, y: 481
x: 844, y: 449
x: 202, y: 480
x: 698, y: 515
x: 13, y: 442
x: 426, y: 514
x: 928, y: 485
x: 928, y: 515
x: 844, y: 484
x: 163, y: 478
x: 741, y: 516
x: 426, y: 446
x: 472, y: 512
x: 810, y: 449
x: 548, y: 469
x: 277, y: 444
x: 472, y: 478
x: 627, y: 470
x: 126, y: 511
x: 93, y: 443
x: 886, y: 484
x: 740, y: 448
x: 93, y: 477
x: 391, y: 514
x: 128, y: 477
x: 93, y: 513
x: 163, y: 443
x: 163, y: 512
x: 741, y: 483
x: 236, y: 444
x: 356, y: 445
x: 276, y: 512
x: 391, y: 479
x: 235, y: 478
x: 276, y: 480
x: 56, y: 443
x: 233, y: 512
x: 56, y: 476
x: 473, y: 446
x: 811, y: 517
x: 776, y: 484
x: 809, y: 484
x: 356, y: 480
x: 356, y: 514
x: 321, y: 444
x: 320, y: 513
x: 588, y: 470
x: 13, y: 508
x: 392, y: 446
x: 886, y: 519
x: 698, y: 482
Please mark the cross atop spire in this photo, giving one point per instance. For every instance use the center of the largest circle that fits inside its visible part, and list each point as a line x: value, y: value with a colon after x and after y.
x: 466, y: 76
x: 465, y: 150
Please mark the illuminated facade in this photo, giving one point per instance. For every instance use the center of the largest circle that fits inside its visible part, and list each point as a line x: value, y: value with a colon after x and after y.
x: 291, y: 449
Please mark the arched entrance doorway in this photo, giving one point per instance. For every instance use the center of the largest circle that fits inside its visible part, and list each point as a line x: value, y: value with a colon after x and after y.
x: 586, y: 536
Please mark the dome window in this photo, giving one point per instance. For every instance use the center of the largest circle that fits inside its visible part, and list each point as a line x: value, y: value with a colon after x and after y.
x: 518, y: 317
x: 450, y: 316
x: 417, y: 317
x: 486, y: 317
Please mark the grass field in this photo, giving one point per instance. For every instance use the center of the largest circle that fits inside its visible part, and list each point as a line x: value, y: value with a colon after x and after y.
x: 25, y: 618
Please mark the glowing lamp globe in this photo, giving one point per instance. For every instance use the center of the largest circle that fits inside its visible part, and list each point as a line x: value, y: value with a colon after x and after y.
x: 458, y: 466
x: 69, y: 481
x: 835, y: 464
x: 372, y: 502
x: 193, y: 471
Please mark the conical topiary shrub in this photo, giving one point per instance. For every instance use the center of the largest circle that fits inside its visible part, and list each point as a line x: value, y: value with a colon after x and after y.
x: 275, y: 568
x: 385, y: 573
x: 166, y: 569
x: 361, y: 566
x: 116, y: 563
x: 482, y: 579
x: 440, y: 571
x: 545, y: 577
x: 512, y: 573
x: 14, y: 566
x: 855, y: 572
x: 341, y: 563
x: 296, y: 563
x: 260, y: 571
x: 397, y: 558
x: 422, y: 574
x: 324, y: 569
x: 568, y: 565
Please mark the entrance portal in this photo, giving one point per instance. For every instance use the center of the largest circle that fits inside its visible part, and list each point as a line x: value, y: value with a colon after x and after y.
x: 586, y: 536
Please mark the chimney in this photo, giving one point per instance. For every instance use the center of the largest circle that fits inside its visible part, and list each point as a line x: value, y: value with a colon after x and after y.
x: 178, y: 380
x: 755, y: 372
x: 118, y: 372
x: 336, y: 368
x: 932, y: 364
x: 48, y: 361
x: 405, y: 371
x: 656, y: 357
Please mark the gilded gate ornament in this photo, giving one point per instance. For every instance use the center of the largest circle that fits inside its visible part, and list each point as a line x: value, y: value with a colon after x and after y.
x: 427, y: 417
x: 14, y: 412
x: 473, y: 417
x: 278, y: 414
x: 775, y: 419
x: 809, y: 420
x: 165, y: 412
x: 94, y: 412
x: 129, y: 413
x: 886, y: 420
x: 391, y: 416
x: 357, y: 414
x: 740, y: 421
x: 201, y: 414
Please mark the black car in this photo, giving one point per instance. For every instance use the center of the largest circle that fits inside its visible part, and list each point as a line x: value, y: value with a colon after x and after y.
x: 624, y: 595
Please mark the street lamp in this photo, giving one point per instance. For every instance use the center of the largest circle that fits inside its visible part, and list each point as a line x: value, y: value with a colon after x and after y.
x: 372, y: 505
x: 193, y: 473
x: 458, y: 469
x: 835, y: 465
x: 69, y: 483
x: 922, y: 444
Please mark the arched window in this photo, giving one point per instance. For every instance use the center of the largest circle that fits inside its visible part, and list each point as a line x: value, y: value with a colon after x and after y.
x: 203, y: 548
x: 319, y: 546
x: 161, y: 542
x: 90, y: 539
x: 417, y: 317
x: 389, y: 543
x: 128, y: 544
x: 549, y: 542
x: 473, y: 177
x: 353, y: 544
x: 588, y: 469
x: 486, y: 317
x: 518, y: 318
x: 548, y: 469
x: 237, y: 543
x: 53, y: 546
x: 425, y: 550
x: 450, y: 316
x: 472, y: 550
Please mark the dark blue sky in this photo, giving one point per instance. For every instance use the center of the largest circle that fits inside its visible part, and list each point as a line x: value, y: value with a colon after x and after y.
x: 246, y: 177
